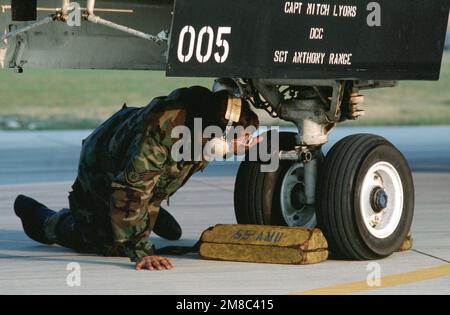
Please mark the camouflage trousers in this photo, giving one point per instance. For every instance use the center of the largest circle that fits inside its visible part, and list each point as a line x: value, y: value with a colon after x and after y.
x: 63, y: 229
x: 69, y: 228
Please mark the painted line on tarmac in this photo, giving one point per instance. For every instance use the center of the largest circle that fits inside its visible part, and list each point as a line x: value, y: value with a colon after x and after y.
x: 386, y: 282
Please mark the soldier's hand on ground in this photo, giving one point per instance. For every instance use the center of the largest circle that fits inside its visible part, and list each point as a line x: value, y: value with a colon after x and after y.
x: 154, y: 263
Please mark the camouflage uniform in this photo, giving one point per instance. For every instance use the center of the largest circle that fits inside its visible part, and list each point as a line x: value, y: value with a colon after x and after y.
x: 126, y: 170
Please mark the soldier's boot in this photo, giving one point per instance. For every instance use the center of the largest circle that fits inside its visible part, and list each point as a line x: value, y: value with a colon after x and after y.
x: 33, y: 216
x: 166, y: 226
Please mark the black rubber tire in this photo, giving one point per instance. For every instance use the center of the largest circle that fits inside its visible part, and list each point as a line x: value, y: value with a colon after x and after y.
x: 338, y: 211
x: 257, y: 194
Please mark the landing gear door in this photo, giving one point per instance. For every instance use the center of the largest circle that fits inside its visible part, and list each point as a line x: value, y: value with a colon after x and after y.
x: 341, y: 39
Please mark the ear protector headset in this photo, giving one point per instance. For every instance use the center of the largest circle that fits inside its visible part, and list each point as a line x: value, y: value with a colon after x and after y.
x: 219, y: 147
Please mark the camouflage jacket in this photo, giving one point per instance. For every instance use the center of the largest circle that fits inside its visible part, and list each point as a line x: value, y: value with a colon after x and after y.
x: 126, y: 170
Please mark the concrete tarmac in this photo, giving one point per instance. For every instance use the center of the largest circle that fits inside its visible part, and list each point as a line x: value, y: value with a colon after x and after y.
x: 43, y: 165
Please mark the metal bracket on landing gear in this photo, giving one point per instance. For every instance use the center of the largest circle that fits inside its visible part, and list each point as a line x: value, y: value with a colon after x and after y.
x: 269, y: 89
x: 315, y: 109
x: 302, y: 154
x: 333, y: 112
x: 315, y: 115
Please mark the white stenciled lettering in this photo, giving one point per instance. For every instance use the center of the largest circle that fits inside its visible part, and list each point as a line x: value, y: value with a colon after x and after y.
x: 203, y: 57
x: 303, y: 57
x: 280, y: 56
x: 182, y: 57
x: 293, y: 7
x: 345, y: 10
x: 316, y: 33
x: 318, y: 9
x: 340, y: 59
x: 197, y: 44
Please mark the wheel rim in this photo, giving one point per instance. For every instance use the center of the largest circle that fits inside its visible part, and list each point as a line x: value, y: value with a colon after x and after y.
x: 381, y: 200
x: 293, y: 201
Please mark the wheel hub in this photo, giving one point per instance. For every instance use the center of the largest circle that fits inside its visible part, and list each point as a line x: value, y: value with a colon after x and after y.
x: 293, y: 203
x: 298, y: 198
x: 379, y: 199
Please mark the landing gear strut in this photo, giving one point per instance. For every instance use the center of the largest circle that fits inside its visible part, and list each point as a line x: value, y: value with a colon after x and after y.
x: 361, y: 194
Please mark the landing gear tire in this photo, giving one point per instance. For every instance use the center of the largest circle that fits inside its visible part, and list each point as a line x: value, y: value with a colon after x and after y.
x: 365, y: 198
x: 273, y: 198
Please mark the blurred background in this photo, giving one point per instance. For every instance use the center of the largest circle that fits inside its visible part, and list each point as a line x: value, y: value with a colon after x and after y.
x: 31, y: 101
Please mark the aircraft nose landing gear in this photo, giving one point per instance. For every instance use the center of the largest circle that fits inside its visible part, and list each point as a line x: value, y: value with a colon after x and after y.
x: 361, y: 195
